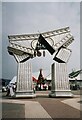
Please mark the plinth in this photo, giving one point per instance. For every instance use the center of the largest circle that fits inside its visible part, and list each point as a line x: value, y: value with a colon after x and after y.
x: 60, y: 81
x: 24, y: 80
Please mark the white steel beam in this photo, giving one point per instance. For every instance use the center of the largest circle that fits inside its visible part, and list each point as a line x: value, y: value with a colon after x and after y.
x: 35, y: 36
x: 65, y: 42
x: 16, y: 47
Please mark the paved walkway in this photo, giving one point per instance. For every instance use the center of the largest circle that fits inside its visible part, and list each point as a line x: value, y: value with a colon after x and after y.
x: 43, y: 108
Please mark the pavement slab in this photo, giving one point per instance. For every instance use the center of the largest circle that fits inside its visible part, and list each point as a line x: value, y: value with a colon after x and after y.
x: 13, y: 110
x: 73, y: 103
x: 35, y: 110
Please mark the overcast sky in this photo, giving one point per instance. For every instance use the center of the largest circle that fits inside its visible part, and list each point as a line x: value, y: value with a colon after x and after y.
x: 24, y: 18
x: 0, y: 40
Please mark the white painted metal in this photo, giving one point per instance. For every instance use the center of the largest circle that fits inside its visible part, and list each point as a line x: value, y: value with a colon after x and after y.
x: 60, y: 81
x: 24, y: 80
x: 35, y: 36
x: 64, y: 42
x: 25, y: 49
x: 27, y: 43
x: 63, y: 55
x: 23, y: 46
x: 24, y: 76
x: 21, y: 58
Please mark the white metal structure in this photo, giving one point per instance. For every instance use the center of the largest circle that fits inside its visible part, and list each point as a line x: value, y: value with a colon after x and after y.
x: 26, y: 46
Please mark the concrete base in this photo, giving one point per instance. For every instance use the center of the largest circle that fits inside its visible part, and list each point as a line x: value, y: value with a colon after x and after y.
x: 24, y: 94
x: 61, y: 93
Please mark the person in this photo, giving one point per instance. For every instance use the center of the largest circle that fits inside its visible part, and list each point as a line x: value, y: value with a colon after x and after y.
x: 8, y: 90
x: 11, y: 89
x: 14, y: 86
